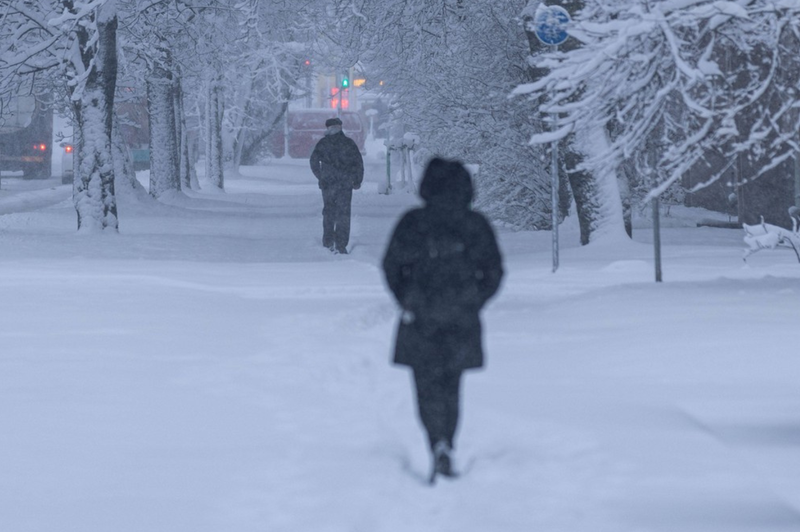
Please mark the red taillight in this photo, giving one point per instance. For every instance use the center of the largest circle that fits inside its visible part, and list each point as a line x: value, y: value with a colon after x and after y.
x: 35, y: 146
x: 68, y: 149
x: 42, y: 147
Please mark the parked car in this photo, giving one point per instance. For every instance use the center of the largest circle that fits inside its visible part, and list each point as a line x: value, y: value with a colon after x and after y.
x: 307, y: 126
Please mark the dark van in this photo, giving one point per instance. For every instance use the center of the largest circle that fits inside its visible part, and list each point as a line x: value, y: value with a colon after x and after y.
x: 307, y: 126
x: 26, y: 131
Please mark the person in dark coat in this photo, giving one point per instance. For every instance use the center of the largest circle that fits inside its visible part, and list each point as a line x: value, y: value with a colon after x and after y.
x: 337, y: 164
x: 442, y: 265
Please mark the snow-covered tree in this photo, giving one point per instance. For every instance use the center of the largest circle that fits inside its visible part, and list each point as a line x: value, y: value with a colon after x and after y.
x: 161, y: 40
x: 448, y: 67
x: 678, y: 85
x: 243, y: 59
x: 265, y: 75
x: 78, y: 40
x: 597, y: 197
x: 214, y: 111
x: 95, y: 74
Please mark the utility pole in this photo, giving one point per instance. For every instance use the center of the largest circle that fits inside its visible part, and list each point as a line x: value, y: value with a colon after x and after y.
x: 340, y: 95
x: 308, y: 83
x: 286, y: 132
x: 740, y: 199
x: 797, y: 179
x: 344, y: 87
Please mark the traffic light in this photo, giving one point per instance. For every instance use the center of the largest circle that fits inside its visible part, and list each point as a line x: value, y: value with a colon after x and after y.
x: 345, y: 80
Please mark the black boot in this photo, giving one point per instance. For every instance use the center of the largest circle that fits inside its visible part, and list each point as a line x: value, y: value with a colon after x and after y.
x: 442, y: 461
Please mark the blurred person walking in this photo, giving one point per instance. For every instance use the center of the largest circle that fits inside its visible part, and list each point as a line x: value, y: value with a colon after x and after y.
x: 337, y: 164
x: 442, y: 265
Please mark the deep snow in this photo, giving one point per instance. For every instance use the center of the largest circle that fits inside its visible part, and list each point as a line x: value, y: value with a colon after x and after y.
x: 213, y: 368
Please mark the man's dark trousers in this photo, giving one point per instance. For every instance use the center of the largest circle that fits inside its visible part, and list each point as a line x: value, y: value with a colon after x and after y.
x: 336, y: 217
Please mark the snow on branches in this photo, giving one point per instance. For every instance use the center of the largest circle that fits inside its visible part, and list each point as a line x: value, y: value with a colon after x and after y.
x: 675, y: 82
x: 768, y: 236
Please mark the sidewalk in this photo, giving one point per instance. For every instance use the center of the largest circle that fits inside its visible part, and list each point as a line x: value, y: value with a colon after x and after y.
x: 21, y: 195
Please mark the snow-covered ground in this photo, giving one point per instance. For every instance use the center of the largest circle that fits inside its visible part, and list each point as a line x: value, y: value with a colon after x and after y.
x: 213, y: 369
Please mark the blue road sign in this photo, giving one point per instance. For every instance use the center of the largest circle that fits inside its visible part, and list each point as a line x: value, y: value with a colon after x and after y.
x: 551, y: 24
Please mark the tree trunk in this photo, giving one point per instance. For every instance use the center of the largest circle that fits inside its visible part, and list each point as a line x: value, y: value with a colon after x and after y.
x: 625, y: 185
x: 597, y: 197
x: 565, y: 195
x: 238, y: 147
x: 164, y: 158
x: 184, y: 172
x: 241, y: 126
x: 584, y: 190
x: 125, y: 183
x: 93, y: 189
x: 251, y: 149
x: 193, y: 147
x: 214, y: 111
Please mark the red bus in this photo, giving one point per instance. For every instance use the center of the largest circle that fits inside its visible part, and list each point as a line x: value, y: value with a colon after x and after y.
x: 26, y: 134
x: 307, y: 126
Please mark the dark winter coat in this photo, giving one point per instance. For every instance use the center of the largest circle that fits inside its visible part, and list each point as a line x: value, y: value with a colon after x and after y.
x: 336, y: 162
x: 442, y: 265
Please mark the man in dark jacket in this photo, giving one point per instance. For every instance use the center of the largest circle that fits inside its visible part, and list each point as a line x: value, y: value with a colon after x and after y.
x: 337, y: 164
x: 442, y: 265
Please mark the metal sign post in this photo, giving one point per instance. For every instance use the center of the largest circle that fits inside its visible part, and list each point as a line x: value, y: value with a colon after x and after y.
x: 554, y: 196
x: 551, y: 28
x: 657, y: 237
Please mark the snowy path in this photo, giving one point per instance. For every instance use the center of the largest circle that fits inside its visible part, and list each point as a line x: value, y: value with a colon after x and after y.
x: 213, y: 368
x: 19, y: 195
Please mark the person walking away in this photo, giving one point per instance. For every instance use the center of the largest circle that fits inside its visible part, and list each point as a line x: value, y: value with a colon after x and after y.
x: 337, y: 164
x: 442, y: 264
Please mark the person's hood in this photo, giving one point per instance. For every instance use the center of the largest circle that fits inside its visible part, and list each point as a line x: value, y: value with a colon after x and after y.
x: 446, y: 184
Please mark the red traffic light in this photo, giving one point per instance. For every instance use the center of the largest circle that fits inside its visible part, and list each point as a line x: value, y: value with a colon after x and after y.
x: 68, y: 148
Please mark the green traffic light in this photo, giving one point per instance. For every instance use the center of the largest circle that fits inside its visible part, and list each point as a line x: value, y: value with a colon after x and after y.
x: 345, y: 83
